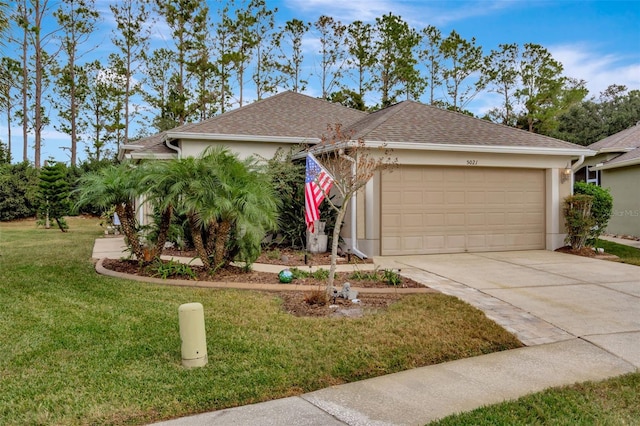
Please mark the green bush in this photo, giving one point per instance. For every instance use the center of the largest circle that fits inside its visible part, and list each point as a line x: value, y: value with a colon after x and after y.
x: 171, y: 269
x: 600, y: 209
x: 18, y: 191
x: 578, y: 220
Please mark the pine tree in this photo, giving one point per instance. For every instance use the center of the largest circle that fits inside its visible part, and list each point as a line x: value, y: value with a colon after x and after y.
x: 54, y: 194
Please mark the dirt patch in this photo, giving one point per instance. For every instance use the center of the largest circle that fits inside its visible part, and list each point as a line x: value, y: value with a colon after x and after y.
x: 299, y: 303
x: 584, y: 251
x: 588, y: 252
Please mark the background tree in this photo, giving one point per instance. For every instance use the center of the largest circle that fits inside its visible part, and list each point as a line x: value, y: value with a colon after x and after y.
x: 348, y: 98
x: 263, y: 71
x: 396, y: 71
x: 77, y: 20
x: 332, y: 54
x: 542, y: 82
x: 161, y: 85
x: 22, y: 17
x: 54, y: 194
x: 18, y: 191
x: 500, y: 76
x: 9, y: 83
x: 351, y: 165
x: 361, y: 55
x: 188, y: 21
x: 461, y: 58
x: 430, y: 54
x: 288, y: 42
x: 591, y: 120
x: 41, y: 62
x: 5, y: 154
x: 131, y: 38
x: 222, y: 47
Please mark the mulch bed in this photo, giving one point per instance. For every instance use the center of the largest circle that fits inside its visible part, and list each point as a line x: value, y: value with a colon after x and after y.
x: 299, y: 303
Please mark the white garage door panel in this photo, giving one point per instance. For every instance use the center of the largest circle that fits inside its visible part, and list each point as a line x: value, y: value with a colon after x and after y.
x: 452, y: 209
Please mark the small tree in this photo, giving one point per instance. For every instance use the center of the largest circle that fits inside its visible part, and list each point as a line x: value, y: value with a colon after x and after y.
x: 578, y: 220
x: 114, y: 186
x: 600, y: 209
x: 351, y: 164
x: 54, y: 194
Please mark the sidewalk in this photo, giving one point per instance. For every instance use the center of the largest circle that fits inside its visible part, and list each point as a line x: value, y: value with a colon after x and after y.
x: 421, y: 395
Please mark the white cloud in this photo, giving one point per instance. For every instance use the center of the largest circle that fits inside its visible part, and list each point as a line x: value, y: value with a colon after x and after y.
x: 599, y: 70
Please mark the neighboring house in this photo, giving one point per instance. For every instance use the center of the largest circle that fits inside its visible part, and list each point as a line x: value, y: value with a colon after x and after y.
x: 617, y: 167
x: 462, y: 184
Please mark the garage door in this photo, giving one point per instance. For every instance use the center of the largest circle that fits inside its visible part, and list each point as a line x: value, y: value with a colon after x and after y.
x: 428, y: 210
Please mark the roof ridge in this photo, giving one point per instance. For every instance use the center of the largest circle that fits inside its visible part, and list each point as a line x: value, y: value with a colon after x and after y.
x: 378, y: 118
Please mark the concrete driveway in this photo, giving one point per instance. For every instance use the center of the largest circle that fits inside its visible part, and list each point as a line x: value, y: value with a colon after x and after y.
x: 541, y: 296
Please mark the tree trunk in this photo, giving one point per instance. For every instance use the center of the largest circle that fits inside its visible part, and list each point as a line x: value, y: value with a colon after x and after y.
x: 198, y: 243
x: 128, y: 223
x: 220, y: 247
x: 334, y: 244
x: 163, y: 231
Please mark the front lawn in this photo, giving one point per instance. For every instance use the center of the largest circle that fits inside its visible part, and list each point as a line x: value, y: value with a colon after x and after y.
x: 626, y: 254
x: 610, y: 402
x: 80, y: 348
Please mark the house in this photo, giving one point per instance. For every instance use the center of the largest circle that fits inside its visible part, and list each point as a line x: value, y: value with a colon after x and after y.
x: 462, y: 184
x: 616, y: 166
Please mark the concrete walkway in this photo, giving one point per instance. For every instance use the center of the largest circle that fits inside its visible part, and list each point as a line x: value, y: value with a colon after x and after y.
x: 580, y: 318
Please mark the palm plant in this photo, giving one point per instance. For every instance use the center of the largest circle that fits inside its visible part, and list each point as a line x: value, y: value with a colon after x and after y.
x: 114, y: 186
x: 229, y: 203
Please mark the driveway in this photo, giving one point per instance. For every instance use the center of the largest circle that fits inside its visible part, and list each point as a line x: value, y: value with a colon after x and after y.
x: 541, y: 296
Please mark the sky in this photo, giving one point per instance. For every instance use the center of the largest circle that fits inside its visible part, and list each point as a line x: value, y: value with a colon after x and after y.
x: 596, y: 41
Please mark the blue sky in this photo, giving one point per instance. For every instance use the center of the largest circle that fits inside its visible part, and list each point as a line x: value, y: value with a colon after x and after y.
x: 597, y: 41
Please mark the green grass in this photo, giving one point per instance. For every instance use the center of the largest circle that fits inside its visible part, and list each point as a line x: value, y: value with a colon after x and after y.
x: 80, y: 348
x: 626, y: 254
x: 611, y: 402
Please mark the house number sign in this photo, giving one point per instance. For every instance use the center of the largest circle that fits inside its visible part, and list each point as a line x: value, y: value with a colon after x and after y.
x: 472, y: 162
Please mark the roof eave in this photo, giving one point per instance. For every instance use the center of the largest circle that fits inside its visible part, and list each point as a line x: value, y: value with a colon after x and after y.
x: 617, y: 165
x: 497, y: 149
x: 149, y: 156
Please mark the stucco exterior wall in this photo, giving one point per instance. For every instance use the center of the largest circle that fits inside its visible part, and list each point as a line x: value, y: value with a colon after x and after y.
x: 624, y: 184
x: 193, y: 148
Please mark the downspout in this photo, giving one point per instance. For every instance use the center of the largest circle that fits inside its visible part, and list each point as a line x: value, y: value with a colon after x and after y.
x: 177, y: 149
x: 574, y: 169
x: 354, y: 216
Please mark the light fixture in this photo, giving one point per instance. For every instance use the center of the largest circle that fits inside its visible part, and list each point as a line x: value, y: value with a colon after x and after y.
x: 565, y: 174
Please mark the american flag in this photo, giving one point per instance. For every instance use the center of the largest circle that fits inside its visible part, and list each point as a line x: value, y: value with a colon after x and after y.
x: 317, y: 183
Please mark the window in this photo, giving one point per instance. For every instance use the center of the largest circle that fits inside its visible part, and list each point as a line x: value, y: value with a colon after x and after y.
x: 593, y: 176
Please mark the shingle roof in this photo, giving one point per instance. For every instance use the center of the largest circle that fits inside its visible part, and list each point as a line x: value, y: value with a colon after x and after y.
x: 290, y: 114
x: 624, y: 140
x: 286, y: 114
x: 414, y: 122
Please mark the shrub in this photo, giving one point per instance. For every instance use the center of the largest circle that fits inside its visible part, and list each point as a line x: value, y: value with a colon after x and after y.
x: 171, y: 268
x: 578, y: 219
x: 18, y: 191
x: 600, y: 209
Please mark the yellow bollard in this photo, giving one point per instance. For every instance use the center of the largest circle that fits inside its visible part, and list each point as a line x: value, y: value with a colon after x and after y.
x: 192, y: 335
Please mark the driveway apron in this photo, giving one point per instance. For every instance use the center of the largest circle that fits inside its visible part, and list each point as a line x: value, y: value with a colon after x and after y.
x: 541, y: 296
